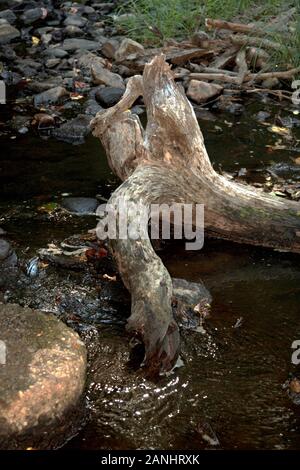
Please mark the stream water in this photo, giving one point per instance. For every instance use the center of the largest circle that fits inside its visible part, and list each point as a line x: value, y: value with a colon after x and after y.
x: 229, y: 394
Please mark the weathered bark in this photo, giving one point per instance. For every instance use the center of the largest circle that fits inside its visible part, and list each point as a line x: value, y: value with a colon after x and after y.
x: 168, y: 163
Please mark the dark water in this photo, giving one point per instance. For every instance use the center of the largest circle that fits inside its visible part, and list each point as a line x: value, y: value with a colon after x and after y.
x: 231, y: 382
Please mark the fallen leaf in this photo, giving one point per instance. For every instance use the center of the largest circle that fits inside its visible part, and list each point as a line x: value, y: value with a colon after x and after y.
x: 110, y: 278
x: 76, y: 96
x: 284, y: 131
x: 35, y: 41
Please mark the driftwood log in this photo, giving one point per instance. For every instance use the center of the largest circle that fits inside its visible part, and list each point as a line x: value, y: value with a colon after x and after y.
x: 166, y: 163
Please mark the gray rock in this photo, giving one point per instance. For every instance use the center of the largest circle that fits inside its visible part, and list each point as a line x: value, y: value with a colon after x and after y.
x: 8, y: 265
x: 289, y: 121
x: 33, y: 14
x: 128, y: 47
x: 109, y: 48
x: 109, y: 96
x: 42, y: 377
x: 74, y: 131
x: 199, y: 38
x: 229, y: 106
x: 271, y: 82
x: 262, y: 116
x: 73, y: 32
x: 8, y: 53
x: 75, y: 20
x: 191, y: 293
x: 92, y: 107
x: 28, y: 67
x: 200, y: 91
x: 43, y: 30
x: 39, y: 86
x: 204, y: 114
x: 102, y: 75
x: 80, y: 205
x: 8, y: 15
x: 8, y: 33
x: 46, y: 39
x: 86, y: 61
x: 104, y: 7
x: 285, y: 170
x: 54, y: 95
x: 5, y: 250
x: 57, y: 53
x: 57, y: 35
x: 74, y: 44
x: 51, y: 63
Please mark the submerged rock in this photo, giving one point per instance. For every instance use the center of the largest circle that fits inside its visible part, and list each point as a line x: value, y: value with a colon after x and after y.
x: 4, y: 249
x: 191, y: 304
x: 80, y: 205
x: 74, y: 131
x: 8, y: 257
x: 42, y: 377
x: 190, y: 292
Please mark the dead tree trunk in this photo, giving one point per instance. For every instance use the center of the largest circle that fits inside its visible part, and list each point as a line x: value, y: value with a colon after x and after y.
x: 167, y: 163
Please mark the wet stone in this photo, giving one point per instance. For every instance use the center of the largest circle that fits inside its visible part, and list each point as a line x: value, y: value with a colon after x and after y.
x: 92, y: 107
x: 109, y: 96
x: 80, y: 205
x: 190, y: 292
x: 73, y: 131
x: 262, y: 116
x: 42, y: 377
x: 5, y: 249
x: 54, y: 95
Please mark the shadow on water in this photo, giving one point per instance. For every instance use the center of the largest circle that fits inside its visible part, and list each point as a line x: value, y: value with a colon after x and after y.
x: 230, y: 388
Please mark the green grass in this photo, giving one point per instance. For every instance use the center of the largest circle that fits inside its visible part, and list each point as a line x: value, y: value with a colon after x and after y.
x: 154, y: 21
